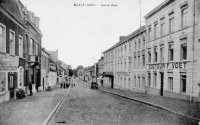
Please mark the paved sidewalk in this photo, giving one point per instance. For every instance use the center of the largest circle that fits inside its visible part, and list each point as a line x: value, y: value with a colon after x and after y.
x: 32, y: 110
x: 182, y: 107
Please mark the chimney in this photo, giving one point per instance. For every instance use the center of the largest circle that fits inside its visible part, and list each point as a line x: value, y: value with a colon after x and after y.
x: 122, y: 38
x: 36, y: 21
x: 30, y: 15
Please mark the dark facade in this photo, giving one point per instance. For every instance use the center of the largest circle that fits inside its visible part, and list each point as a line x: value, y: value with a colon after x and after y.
x: 12, y: 63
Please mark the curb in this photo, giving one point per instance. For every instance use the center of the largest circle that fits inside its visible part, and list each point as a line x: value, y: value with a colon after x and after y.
x: 47, y: 120
x: 151, y: 104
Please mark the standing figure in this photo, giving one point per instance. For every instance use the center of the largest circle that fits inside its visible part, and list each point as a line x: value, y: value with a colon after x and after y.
x: 30, y: 88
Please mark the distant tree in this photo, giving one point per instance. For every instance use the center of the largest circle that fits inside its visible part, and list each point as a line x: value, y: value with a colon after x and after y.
x: 71, y: 72
x: 80, y: 67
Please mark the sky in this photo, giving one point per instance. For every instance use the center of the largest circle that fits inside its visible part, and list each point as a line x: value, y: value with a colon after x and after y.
x: 82, y: 29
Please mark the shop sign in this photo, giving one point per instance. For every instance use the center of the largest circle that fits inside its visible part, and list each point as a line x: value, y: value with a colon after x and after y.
x: 171, y: 65
x: 123, y: 73
x: 8, y: 68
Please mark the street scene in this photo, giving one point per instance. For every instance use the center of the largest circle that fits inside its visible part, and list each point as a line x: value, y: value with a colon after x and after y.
x: 108, y: 62
x: 84, y: 106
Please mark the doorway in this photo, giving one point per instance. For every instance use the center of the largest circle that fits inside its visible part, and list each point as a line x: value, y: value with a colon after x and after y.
x: 161, y: 83
x: 12, y: 83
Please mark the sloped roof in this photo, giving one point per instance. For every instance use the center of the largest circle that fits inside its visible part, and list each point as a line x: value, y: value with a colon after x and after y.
x: 12, y: 7
x: 124, y: 39
x: 159, y: 7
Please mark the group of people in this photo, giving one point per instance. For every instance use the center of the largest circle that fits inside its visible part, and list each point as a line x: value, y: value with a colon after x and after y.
x: 67, y: 83
x: 64, y: 85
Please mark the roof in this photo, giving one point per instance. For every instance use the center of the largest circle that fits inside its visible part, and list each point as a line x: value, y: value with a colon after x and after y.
x: 159, y: 7
x: 124, y: 39
x: 12, y: 7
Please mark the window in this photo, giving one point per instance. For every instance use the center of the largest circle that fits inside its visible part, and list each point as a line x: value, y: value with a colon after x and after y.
x: 171, y: 52
x: 155, y: 30
x: 2, y: 82
x: 162, y: 26
x: 143, y: 80
x: 135, y: 81
x: 149, y: 56
x: 138, y: 58
x: 143, y: 58
x: 183, y: 83
x: 162, y: 53
x: 134, y: 59
x: 31, y: 46
x: 170, y: 83
x: 12, y: 43
x: 184, y: 16
x: 129, y: 83
x: 129, y: 46
x: 36, y: 49
x: 20, y: 46
x: 154, y: 79
x: 149, y: 79
x: 171, y: 22
x: 138, y: 81
x: 139, y: 43
x: 155, y: 54
x: 149, y: 33
x: 143, y: 38
x: 135, y: 44
x: 125, y: 64
x: 2, y: 38
x: 183, y: 49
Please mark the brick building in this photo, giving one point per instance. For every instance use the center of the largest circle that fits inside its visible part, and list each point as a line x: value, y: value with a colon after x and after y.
x: 12, y: 34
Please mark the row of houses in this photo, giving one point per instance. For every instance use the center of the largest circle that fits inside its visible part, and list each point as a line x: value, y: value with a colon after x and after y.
x: 23, y: 61
x: 160, y: 58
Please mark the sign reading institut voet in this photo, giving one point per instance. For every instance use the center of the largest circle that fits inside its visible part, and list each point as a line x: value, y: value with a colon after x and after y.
x: 170, y: 65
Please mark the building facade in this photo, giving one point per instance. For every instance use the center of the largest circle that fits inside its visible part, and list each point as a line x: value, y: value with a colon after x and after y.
x: 124, y: 63
x: 44, y: 69
x: 32, y: 49
x: 12, y: 34
x: 173, y: 49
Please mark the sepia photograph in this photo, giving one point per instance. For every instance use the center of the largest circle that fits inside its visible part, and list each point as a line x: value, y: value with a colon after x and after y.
x: 99, y: 62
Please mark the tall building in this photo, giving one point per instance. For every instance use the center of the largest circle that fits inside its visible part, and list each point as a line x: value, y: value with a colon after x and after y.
x: 12, y: 36
x: 173, y: 49
x: 124, y: 63
x: 32, y: 48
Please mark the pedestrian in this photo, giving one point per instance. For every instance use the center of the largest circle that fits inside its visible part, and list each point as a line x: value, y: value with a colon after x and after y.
x: 30, y: 88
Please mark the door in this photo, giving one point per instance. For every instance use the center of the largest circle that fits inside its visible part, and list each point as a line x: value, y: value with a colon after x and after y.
x: 43, y: 83
x: 112, y: 81
x: 162, y: 83
x: 12, y: 83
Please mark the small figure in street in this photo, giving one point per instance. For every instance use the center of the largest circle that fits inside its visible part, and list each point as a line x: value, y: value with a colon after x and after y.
x: 30, y: 88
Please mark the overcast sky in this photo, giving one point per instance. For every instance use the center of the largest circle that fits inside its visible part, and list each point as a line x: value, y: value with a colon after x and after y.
x: 81, y: 33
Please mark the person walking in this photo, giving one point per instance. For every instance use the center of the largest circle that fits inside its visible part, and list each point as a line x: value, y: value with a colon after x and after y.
x: 30, y: 88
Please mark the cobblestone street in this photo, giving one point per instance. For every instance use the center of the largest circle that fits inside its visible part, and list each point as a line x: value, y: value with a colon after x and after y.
x: 84, y: 106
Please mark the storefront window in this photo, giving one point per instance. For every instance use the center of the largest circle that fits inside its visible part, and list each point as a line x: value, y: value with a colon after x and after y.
x: 183, y: 79
x: 149, y: 79
x: 170, y: 83
x: 2, y: 81
x: 155, y: 79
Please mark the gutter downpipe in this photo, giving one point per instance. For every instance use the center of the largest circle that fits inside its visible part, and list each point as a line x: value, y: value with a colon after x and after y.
x: 191, y: 94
